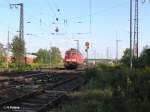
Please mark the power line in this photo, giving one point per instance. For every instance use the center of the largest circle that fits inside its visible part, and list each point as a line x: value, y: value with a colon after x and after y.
x: 144, y: 1
x: 38, y: 20
x: 21, y: 27
x: 6, y: 1
x: 101, y: 11
x: 90, y: 12
x: 58, y: 16
x: 55, y: 4
x: 50, y: 8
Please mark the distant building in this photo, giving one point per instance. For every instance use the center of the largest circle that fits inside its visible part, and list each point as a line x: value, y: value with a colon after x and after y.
x: 29, y: 58
x: 8, y: 57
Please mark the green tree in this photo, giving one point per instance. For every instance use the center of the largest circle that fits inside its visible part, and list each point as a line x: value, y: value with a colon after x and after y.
x: 2, y: 53
x: 144, y: 59
x: 43, y: 56
x: 18, y: 49
x: 55, y: 55
x: 126, y: 57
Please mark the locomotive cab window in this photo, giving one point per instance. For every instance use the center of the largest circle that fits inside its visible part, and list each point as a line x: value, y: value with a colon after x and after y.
x: 67, y: 54
x: 74, y: 54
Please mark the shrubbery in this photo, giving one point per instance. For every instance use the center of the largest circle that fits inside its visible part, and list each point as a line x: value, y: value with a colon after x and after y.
x: 130, y: 90
x: 142, y: 61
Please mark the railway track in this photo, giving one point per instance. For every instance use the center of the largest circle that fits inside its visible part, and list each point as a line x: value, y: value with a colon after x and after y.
x: 38, y: 100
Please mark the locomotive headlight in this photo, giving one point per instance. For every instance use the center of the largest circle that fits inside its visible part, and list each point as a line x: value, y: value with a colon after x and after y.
x: 74, y: 60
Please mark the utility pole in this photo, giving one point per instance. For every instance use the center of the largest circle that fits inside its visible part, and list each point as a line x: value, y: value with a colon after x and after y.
x: 135, y: 44
x: 21, y: 25
x: 117, y: 42
x: 77, y: 44
x: 107, y: 57
x: 95, y: 54
x: 131, y: 56
x: 77, y: 48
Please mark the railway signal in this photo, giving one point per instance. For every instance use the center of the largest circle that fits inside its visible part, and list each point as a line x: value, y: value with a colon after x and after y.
x: 77, y: 44
x: 87, y: 44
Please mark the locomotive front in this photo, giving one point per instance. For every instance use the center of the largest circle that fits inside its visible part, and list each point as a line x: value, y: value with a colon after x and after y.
x: 72, y: 59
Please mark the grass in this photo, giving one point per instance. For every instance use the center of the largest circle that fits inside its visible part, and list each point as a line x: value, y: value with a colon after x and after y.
x: 111, y: 89
x: 83, y: 101
x: 89, y: 98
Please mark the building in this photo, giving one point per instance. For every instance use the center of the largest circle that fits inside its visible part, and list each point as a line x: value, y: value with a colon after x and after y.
x: 29, y: 58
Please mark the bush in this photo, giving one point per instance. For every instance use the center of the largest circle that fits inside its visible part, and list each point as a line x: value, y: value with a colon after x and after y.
x: 130, y: 89
x: 2, y: 65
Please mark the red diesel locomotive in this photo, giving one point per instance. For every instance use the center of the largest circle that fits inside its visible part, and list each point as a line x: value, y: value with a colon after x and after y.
x: 73, y: 58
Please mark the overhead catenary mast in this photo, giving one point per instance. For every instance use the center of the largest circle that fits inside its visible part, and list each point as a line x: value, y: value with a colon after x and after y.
x: 21, y: 25
x: 136, y: 36
x: 131, y: 53
x: 117, y: 42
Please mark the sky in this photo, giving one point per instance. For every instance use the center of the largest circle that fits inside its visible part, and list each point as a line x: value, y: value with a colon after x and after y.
x: 109, y: 21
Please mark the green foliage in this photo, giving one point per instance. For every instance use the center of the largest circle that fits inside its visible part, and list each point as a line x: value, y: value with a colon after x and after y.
x: 130, y: 90
x: 142, y: 61
x: 117, y: 90
x: 105, y: 66
x: 2, y: 65
x: 56, y: 55
x: 126, y: 57
x: 2, y: 54
x: 1, y: 58
x: 83, y: 101
x: 139, y: 89
x: 91, y: 73
x: 43, y: 56
x: 20, y: 66
x: 18, y: 49
x: 52, y: 57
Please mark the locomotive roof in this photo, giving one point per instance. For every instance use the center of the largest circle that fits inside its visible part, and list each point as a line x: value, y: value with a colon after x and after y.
x: 72, y: 50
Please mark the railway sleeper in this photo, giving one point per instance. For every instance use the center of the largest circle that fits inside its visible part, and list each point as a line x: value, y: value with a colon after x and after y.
x: 10, y: 102
x: 39, y: 103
